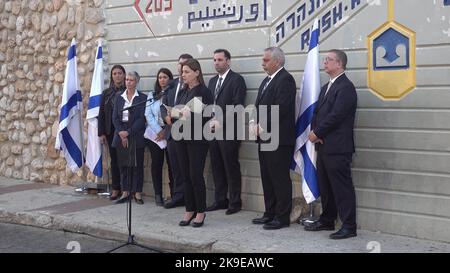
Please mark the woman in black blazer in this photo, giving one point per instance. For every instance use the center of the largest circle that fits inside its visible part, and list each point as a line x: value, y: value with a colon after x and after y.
x: 191, y: 152
x: 106, y: 126
x: 129, y: 129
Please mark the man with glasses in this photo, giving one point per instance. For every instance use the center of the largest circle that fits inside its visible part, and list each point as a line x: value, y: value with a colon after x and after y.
x: 332, y: 132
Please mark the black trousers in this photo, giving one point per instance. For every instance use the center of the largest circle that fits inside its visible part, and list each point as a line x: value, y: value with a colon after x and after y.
x: 157, y: 155
x: 115, y: 170
x: 191, y: 160
x: 137, y: 173
x: 276, y: 182
x: 226, y: 171
x: 337, y: 193
x: 176, y: 182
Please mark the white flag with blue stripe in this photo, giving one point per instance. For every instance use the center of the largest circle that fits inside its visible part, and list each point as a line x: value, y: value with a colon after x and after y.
x: 70, y: 132
x: 94, y: 147
x: 304, y: 161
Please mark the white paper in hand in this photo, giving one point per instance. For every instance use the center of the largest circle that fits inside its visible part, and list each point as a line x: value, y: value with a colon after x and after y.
x: 150, y: 134
x: 196, y: 105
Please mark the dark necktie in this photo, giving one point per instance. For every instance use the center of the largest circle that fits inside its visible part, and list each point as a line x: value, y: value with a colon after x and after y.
x: 267, y: 80
x: 219, y: 85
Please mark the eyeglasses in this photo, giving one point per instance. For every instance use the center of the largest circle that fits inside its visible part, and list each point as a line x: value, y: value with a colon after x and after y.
x: 328, y: 59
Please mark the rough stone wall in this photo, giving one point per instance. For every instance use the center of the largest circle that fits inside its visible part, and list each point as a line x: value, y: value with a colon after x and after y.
x: 34, y: 38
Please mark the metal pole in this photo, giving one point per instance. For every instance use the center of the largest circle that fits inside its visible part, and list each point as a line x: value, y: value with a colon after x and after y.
x: 82, y: 189
x: 108, y: 190
x: 311, y: 219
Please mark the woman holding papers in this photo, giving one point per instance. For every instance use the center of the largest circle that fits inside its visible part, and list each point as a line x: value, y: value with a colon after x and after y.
x: 129, y: 138
x: 191, y: 145
x: 154, y: 133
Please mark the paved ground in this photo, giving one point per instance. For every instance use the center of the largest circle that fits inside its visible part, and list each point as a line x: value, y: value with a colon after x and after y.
x: 27, y: 239
x: 60, y: 208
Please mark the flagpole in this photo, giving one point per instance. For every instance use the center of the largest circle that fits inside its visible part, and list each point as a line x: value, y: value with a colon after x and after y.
x: 304, y: 159
x: 82, y: 188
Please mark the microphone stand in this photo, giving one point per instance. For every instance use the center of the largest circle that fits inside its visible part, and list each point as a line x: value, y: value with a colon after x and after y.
x: 130, y: 165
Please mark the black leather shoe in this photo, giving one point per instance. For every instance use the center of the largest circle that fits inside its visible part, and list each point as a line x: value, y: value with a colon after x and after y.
x: 199, y: 224
x: 343, y: 233
x: 232, y: 211
x: 317, y: 226
x: 184, y: 223
x: 262, y: 220
x: 275, y: 224
x: 159, y: 200
x: 173, y: 204
x: 217, y: 206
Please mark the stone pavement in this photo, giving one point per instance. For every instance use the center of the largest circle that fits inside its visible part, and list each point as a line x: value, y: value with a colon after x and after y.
x: 61, y: 208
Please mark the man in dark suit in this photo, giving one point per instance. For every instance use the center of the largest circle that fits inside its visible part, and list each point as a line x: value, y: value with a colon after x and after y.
x: 228, y: 88
x: 276, y: 91
x: 332, y: 132
x: 177, y: 189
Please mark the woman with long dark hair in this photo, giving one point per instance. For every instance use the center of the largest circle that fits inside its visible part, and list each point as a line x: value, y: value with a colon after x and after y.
x: 192, y: 152
x: 155, y: 123
x: 106, y: 126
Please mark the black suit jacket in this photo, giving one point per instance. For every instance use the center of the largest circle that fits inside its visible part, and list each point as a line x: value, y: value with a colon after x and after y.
x: 136, y: 120
x: 232, y: 92
x: 184, y: 97
x: 334, y: 117
x: 105, y: 124
x: 281, y: 92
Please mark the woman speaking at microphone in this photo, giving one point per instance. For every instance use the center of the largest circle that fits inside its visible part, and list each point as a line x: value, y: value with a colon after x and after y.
x: 191, y: 152
x: 129, y: 131
x: 155, y: 124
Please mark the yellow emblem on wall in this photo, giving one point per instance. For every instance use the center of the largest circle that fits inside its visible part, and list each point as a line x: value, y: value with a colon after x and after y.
x: 392, y: 59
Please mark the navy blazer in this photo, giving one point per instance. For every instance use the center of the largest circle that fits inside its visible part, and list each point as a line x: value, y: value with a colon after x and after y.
x: 281, y: 92
x: 232, y: 92
x: 334, y: 117
x: 136, y: 120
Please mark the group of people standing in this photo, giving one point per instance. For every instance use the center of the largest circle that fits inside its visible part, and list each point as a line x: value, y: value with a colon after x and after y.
x: 332, y: 131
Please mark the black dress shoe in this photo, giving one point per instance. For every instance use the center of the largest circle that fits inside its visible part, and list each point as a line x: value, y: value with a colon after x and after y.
x: 343, y: 233
x: 262, y: 220
x: 232, y: 211
x: 317, y: 226
x: 217, y: 206
x: 275, y: 224
x: 199, y: 224
x: 173, y: 204
x: 184, y: 223
x: 159, y: 200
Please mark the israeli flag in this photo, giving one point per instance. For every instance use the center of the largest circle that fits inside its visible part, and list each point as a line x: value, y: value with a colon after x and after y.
x: 94, y: 147
x: 70, y: 132
x: 304, y: 161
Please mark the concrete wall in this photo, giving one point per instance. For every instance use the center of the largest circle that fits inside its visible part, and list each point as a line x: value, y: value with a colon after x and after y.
x: 401, y: 165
